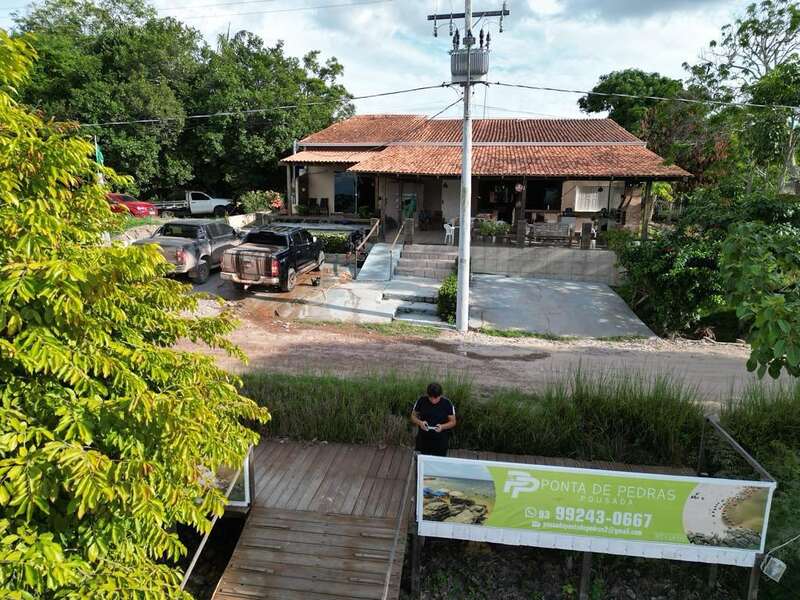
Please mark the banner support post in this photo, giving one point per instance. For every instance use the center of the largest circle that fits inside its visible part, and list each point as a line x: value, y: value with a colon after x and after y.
x: 586, y: 576
x: 755, y: 576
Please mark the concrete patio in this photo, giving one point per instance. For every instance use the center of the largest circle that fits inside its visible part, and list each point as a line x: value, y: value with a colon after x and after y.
x: 549, y: 306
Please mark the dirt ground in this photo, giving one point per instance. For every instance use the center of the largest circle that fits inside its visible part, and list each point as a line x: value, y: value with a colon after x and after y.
x: 274, y: 342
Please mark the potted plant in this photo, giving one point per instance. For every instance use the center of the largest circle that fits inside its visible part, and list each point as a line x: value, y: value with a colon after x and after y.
x: 501, y: 230
x: 486, y: 230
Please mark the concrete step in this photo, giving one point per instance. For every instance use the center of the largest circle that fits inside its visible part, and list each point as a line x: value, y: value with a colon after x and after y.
x: 411, y: 289
x: 430, y: 248
x: 427, y: 263
x: 424, y: 320
x: 437, y: 274
x: 430, y: 255
x: 418, y: 308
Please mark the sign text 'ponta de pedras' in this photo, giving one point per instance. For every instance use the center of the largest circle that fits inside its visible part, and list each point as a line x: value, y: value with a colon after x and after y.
x: 721, y: 521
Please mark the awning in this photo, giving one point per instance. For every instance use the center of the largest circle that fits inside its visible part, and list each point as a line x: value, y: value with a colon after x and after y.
x: 323, y: 157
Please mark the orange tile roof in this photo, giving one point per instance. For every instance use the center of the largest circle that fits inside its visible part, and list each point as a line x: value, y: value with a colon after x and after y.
x: 384, y: 130
x: 310, y: 157
x: 415, y: 145
x: 530, y: 161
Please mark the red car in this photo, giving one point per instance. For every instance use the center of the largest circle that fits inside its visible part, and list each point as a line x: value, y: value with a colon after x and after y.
x: 127, y: 203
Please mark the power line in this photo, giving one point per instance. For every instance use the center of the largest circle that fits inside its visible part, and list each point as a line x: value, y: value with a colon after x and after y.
x: 542, y: 88
x: 289, y: 10
x: 232, y: 113
x: 167, y: 9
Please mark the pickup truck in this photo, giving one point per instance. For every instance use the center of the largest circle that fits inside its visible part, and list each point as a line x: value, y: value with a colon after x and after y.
x: 192, y: 203
x: 272, y: 255
x: 193, y: 246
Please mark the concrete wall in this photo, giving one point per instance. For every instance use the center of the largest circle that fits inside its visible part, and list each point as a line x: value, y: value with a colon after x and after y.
x: 568, y: 264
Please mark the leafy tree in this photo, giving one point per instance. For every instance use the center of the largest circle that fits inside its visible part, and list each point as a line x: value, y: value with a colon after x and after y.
x: 118, y: 61
x: 766, y: 37
x: 774, y: 132
x: 242, y: 151
x: 104, y: 427
x: 629, y: 112
x: 761, y: 271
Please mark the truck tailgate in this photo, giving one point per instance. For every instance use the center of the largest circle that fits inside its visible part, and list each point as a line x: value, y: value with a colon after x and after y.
x: 252, y: 264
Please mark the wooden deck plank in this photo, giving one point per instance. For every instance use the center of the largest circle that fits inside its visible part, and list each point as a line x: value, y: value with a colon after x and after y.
x: 331, y: 480
x: 292, y: 467
x: 276, y: 469
x: 260, y: 582
x: 299, y: 473
x: 302, y: 496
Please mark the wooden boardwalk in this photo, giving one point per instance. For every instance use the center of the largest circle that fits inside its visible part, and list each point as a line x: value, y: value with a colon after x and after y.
x: 327, y: 521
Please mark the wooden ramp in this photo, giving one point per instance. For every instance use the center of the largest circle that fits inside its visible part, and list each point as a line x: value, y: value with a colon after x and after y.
x: 328, y: 521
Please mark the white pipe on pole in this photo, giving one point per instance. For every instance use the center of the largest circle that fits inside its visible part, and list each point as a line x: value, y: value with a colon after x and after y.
x: 465, y: 215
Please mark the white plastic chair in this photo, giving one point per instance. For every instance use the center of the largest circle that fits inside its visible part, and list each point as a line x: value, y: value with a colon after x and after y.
x: 449, y: 234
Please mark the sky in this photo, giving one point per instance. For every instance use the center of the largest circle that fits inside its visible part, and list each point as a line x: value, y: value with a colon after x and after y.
x: 389, y: 45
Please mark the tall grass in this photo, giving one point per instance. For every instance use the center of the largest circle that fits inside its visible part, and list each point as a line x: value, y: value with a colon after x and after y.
x: 766, y: 421
x: 631, y: 419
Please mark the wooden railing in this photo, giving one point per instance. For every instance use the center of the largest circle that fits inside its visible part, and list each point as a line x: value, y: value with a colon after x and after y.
x: 363, y: 243
x: 399, y: 525
x: 391, y: 248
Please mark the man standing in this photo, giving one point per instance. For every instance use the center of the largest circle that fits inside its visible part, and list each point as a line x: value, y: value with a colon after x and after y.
x: 435, y: 415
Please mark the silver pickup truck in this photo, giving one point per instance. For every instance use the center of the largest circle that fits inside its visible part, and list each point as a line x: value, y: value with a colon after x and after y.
x: 194, y: 246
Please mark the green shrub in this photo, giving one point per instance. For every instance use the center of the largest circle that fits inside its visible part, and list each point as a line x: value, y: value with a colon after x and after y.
x: 766, y: 422
x: 446, y: 299
x: 487, y: 228
x: 333, y: 242
x: 502, y: 228
x: 261, y: 200
x: 634, y: 420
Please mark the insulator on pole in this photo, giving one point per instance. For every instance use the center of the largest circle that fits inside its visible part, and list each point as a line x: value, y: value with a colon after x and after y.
x: 480, y: 37
x: 451, y: 24
x: 488, y: 39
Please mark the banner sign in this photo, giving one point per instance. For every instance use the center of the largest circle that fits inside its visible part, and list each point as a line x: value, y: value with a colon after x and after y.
x: 699, y: 519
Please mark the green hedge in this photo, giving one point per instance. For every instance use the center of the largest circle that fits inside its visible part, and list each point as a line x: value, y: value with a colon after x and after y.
x: 446, y: 299
x: 628, y: 420
x: 333, y: 243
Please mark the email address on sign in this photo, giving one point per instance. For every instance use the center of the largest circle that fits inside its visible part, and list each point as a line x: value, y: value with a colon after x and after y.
x: 586, y: 528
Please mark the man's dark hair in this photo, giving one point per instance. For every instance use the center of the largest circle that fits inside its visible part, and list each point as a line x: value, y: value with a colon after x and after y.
x: 434, y: 390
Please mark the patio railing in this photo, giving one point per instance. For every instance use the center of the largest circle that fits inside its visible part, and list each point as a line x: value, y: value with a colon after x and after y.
x: 363, y: 243
x: 391, y: 248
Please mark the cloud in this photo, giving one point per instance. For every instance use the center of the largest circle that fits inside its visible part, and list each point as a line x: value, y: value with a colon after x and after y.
x: 614, y: 10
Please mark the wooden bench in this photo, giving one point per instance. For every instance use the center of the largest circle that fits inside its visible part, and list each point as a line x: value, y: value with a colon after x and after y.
x: 548, y: 232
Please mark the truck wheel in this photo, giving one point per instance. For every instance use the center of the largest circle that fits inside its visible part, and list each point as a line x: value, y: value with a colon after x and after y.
x: 320, y: 261
x: 290, y: 281
x: 220, y: 211
x: 201, y: 272
x: 166, y: 214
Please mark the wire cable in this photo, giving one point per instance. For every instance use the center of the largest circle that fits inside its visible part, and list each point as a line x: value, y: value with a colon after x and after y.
x: 542, y: 88
x: 165, y: 9
x: 288, y: 10
x: 232, y: 113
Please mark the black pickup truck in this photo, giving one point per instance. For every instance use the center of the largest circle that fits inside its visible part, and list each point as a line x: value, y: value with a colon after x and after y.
x: 273, y: 255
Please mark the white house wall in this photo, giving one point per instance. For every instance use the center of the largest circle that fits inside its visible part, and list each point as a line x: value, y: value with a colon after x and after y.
x: 321, y: 182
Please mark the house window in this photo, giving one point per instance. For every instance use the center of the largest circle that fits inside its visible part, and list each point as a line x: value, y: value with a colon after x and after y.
x: 543, y: 195
x: 590, y: 198
x: 344, y: 198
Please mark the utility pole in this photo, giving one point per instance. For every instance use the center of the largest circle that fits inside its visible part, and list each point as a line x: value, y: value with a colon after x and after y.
x: 465, y: 212
x: 467, y: 66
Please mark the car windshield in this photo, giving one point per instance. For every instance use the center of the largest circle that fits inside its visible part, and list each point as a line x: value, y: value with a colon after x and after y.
x: 265, y: 238
x: 179, y: 230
